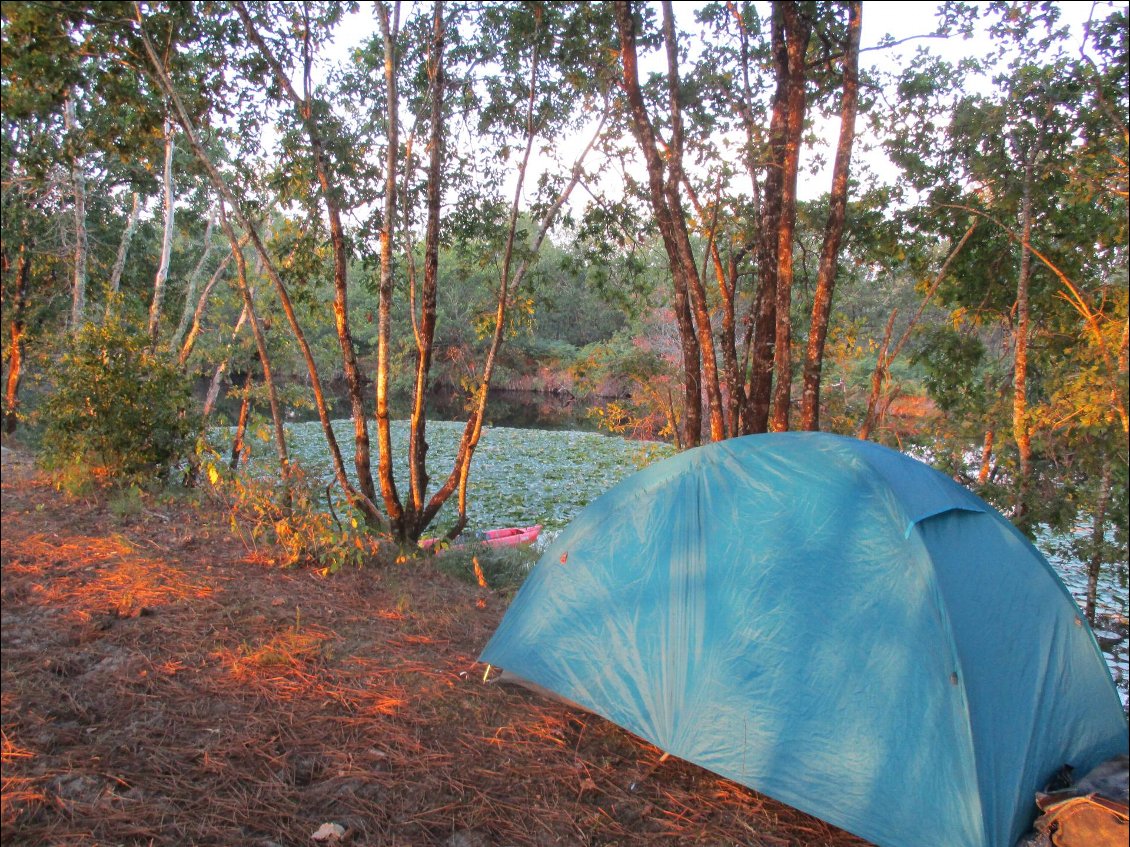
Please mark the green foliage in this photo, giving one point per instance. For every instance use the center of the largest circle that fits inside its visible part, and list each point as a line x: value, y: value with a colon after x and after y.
x: 299, y: 523
x: 117, y: 412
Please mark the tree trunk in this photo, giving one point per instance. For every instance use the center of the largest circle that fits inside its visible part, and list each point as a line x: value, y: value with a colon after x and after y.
x: 167, y: 241
x: 797, y: 31
x: 123, y: 250
x: 385, y: 475
x: 1020, y: 428
x: 986, y: 458
x: 355, y: 497
x: 1098, y: 539
x: 240, y: 431
x: 198, y: 314
x: 682, y: 241
x: 217, y: 377
x: 304, y: 106
x: 264, y: 355
x: 507, y: 282
x: 834, y: 228
x: 665, y: 219
x: 417, y: 437
x: 727, y: 279
x: 78, y: 185
x: 190, y: 303
x: 887, y: 354
x: 878, y: 378
x: 16, y: 343
x: 763, y: 314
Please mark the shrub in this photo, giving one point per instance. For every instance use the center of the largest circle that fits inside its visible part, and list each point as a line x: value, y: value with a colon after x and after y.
x: 118, y: 412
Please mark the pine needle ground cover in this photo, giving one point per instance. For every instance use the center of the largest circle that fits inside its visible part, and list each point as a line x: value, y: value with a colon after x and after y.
x: 162, y: 684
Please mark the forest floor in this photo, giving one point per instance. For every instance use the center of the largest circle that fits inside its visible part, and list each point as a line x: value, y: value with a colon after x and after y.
x: 162, y: 684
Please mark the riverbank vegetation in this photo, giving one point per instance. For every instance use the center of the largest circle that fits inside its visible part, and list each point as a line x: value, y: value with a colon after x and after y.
x: 616, y: 201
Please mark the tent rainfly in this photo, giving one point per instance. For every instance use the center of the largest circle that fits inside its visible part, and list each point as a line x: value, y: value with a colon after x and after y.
x: 830, y: 623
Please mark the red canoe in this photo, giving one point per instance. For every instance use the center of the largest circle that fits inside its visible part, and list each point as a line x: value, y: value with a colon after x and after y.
x: 508, y: 537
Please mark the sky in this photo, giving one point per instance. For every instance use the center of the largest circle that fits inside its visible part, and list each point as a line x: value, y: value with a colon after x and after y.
x: 900, y: 20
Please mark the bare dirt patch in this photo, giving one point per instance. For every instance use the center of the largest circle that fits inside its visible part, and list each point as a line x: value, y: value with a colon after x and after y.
x: 161, y: 685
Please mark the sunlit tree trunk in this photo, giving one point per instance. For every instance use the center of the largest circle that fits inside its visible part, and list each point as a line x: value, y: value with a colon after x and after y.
x: 986, y: 457
x: 665, y: 219
x: 1020, y: 427
x: 240, y: 431
x: 797, y: 31
x: 78, y: 187
x: 386, y: 480
x: 16, y: 342
x: 167, y: 240
x: 834, y: 228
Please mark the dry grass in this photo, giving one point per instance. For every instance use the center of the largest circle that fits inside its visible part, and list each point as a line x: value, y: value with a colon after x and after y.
x: 162, y: 687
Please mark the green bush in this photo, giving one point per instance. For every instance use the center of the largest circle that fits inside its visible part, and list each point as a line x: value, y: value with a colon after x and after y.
x: 117, y: 412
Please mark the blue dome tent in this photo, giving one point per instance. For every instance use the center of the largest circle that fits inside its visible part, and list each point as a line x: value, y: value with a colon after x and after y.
x: 830, y: 623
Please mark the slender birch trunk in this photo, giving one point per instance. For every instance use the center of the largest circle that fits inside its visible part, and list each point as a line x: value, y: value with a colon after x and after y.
x: 123, y: 249
x: 78, y: 185
x: 190, y: 302
x: 167, y: 240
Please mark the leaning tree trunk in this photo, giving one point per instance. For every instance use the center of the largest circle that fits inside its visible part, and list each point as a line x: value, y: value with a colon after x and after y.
x: 355, y: 497
x: 123, y: 249
x: 190, y: 303
x: 264, y: 355
x: 16, y: 342
x: 834, y: 228
x: 303, y: 105
x: 167, y: 241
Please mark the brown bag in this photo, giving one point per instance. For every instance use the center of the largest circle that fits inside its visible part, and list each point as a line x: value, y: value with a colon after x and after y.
x: 1087, y: 821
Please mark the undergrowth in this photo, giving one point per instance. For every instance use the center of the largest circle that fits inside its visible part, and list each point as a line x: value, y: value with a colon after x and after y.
x: 297, y: 524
